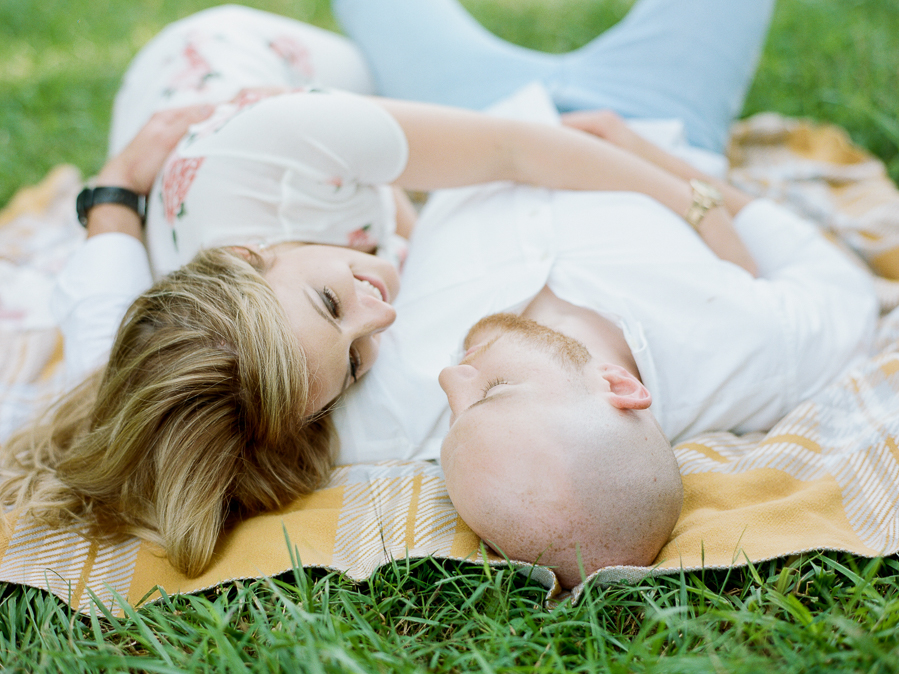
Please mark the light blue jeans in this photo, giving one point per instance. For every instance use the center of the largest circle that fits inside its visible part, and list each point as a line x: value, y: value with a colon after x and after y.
x: 690, y: 59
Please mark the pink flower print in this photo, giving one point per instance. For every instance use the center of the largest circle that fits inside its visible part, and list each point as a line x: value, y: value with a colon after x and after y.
x: 177, y: 178
x: 361, y: 239
x: 294, y: 54
x: 12, y: 314
x: 247, y: 97
x: 335, y: 181
x: 195, y: 73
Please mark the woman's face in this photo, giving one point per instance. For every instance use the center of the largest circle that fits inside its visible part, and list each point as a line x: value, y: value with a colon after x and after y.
x: 338, y: 302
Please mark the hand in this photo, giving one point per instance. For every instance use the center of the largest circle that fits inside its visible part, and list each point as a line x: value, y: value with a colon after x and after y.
x: 606, y: 124
x: 136, y: 166
x: 249, y: 95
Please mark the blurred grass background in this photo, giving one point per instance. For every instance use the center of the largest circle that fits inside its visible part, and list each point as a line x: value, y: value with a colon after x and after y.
x: 61, y: 62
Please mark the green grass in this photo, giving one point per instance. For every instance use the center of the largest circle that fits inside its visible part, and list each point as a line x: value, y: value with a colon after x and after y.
x: 60, y: 63
x: 822, y: 613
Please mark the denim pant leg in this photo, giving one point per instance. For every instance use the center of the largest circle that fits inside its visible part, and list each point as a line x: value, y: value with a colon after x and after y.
x: 435, y: 51
x: 692, y: 59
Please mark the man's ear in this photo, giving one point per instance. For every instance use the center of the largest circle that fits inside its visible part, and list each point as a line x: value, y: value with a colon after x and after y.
x: 627, y: 392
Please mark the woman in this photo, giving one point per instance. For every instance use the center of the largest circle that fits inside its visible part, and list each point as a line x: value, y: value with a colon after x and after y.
x: 215, y: 397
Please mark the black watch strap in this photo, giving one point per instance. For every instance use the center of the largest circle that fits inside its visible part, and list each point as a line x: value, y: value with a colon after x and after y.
x: 92, y: 196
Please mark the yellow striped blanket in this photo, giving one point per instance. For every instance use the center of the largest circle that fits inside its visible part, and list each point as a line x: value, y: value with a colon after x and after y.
x: 826, y: 477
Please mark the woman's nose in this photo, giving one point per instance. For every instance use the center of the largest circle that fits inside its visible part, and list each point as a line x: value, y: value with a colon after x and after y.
x: 375, y: 316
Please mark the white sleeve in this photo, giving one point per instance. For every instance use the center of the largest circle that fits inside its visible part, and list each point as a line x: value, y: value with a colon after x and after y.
x: 308, y: 166
x: 827, y: 298
x: 317, y: 133
x: 92, y: 294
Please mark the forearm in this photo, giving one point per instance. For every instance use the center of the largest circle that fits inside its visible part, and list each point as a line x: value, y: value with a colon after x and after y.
x: 451, y: 148
x: 608, y: 167
x: 106, y: 218
x: 734, y: 199
x: 608, y: 125
x: 406, y: 215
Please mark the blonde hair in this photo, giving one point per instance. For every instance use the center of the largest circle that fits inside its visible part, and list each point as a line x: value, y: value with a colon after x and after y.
x: 197, y: 416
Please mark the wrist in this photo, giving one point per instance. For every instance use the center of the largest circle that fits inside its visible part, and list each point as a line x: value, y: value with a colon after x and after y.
x: 112, y: 175
x: 705, y: 197
x: 112, y: 217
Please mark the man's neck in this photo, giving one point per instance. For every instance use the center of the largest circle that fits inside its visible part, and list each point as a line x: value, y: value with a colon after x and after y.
x: 603, y: 339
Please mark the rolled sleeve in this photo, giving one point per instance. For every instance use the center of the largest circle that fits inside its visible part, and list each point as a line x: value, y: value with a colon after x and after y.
x: 92, y: 294
x: 825, y: 298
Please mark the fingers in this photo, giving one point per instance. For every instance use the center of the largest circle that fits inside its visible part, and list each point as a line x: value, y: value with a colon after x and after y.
x: 136, y: 166
x: 253, y: 94
x: 603, y: 123
x: 169, y: 126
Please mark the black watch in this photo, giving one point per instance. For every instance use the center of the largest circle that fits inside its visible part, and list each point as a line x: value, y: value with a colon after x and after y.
x: 92, y: 196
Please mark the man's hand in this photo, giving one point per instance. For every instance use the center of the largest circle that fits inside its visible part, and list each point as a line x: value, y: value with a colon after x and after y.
x: 136, y: 166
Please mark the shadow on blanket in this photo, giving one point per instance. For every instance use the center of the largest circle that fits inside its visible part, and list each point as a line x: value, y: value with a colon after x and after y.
x: 825, y: 477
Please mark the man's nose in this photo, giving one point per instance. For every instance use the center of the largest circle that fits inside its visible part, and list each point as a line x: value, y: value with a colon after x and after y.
x: 455, y: 382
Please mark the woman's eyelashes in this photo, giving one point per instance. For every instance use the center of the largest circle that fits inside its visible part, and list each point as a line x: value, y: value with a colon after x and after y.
x: 331, y: 301
x: 355, y: 364
x: 492, y: 384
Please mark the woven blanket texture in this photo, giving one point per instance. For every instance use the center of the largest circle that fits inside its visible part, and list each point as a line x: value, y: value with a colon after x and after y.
x: 826, y: 477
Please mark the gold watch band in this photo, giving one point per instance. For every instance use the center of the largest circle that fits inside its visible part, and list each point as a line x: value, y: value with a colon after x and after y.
x: 705, y: 198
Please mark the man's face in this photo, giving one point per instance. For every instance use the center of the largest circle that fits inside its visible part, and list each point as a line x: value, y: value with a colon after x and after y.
x: 514, y: 371
x: 545, y: 441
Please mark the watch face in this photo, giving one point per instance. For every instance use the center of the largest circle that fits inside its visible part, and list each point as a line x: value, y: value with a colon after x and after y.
x: 707, y: 191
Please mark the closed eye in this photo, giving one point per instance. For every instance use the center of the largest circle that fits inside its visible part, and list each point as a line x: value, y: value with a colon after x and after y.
x: 355, y: 364
x: 331, y: 301
x: 493, y: 383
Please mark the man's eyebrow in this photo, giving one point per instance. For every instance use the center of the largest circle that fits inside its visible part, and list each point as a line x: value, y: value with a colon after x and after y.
x: 321, y: 312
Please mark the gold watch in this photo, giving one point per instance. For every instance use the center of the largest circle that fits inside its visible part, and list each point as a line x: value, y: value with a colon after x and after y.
x: 705, y: 197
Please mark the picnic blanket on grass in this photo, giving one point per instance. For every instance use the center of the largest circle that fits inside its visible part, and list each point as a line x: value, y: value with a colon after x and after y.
x: 826, y: 477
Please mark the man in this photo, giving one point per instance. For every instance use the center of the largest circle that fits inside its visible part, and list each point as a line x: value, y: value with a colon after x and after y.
x: 551, y: 450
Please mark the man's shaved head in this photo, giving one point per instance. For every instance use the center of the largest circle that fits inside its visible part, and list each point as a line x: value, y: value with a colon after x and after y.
x: 552, y: 457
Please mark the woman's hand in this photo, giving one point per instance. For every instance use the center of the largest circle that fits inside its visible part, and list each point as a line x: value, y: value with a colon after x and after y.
x: 136, y: 166
x: 610, y: 126
x: 605, y: 124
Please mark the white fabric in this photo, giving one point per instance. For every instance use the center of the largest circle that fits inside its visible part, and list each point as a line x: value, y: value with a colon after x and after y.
x: 92, y: 294
x: 211, y: 56
x: 717, y: 349
x: 311, y: 166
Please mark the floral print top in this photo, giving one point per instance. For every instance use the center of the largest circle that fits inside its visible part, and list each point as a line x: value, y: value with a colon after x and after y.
x: 289, y: 153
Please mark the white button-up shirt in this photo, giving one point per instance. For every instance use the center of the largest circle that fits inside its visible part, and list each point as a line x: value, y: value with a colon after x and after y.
x: 717, y: 348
